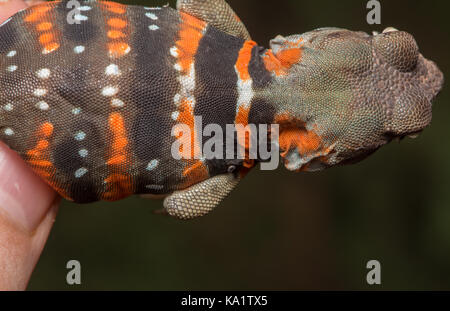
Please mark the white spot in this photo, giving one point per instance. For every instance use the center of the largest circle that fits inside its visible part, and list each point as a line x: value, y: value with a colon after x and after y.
x: 46, y: 51
x: 177, y: 99
x: 43, y: 73
x: 83, y: 153
x: 81, y: 172
x: 177, y: 67
x: 113, y: 54
x: 175, y: 115
x: 174, y: 51
x: 85, y: 8
x: 151, y: 16
x: 80, y: 135
x: 79, y: 17
x: 9, y: 132
x: 11, y: 53
x: 42, y: 105
x: 112, y: 70
x: 79, y: 49
x: 152, y: 165
x: 8, y: 107
x: 39, y: 92
x: 245, y: 93
x: 153, y: 27
x: 11, y: 68
x: 187, y: 83
x: 117, y: 103
x: 76, y: 111
x: 110, y: 91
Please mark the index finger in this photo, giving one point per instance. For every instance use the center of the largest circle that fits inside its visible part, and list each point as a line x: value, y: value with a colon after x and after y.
x: 27, y: 205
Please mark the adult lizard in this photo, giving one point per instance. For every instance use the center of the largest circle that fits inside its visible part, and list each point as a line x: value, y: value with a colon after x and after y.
x: 90, y: 96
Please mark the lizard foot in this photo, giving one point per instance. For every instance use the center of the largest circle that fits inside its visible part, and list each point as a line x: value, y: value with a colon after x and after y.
x: 217, y: 13
x: 200, y: 199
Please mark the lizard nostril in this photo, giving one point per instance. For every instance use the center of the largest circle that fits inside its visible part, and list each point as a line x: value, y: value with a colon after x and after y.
x: 398, y: 49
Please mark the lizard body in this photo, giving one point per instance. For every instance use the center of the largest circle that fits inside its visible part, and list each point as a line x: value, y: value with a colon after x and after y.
x: 91, y: 106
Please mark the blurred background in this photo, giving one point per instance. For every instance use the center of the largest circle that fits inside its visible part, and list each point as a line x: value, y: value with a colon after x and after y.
x: 280, y: 230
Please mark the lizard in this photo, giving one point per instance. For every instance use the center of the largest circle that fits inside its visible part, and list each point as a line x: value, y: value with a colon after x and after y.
x: 91, y: 104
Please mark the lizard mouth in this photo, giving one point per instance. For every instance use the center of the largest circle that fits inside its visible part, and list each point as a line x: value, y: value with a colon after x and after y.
x: 414, y: 135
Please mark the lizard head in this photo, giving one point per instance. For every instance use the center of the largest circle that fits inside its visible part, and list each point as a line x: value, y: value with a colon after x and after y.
x: 340, y: 95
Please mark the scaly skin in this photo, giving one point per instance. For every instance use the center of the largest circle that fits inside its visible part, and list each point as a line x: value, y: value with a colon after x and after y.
x: 338, y: 96
x: 348, y: 94
x: 103, y: 96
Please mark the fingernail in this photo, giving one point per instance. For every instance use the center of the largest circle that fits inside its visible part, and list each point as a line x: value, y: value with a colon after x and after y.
x: 24, y: 197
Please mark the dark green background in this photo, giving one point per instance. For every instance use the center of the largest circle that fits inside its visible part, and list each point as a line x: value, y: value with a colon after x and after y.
x: 280, y: 230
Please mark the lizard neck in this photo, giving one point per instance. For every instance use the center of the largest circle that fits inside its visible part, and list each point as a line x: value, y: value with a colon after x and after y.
x: 231, y: 77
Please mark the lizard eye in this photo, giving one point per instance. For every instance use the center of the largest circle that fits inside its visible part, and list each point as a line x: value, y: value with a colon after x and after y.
x: 398, y: 49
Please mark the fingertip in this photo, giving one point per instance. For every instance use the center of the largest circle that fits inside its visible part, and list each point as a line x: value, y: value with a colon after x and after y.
x: 10, y: 7
x: 24, y: 197
x: 20, y: 250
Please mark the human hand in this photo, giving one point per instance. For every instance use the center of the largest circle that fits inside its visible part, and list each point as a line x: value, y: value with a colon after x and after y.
x: 28, y: 206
